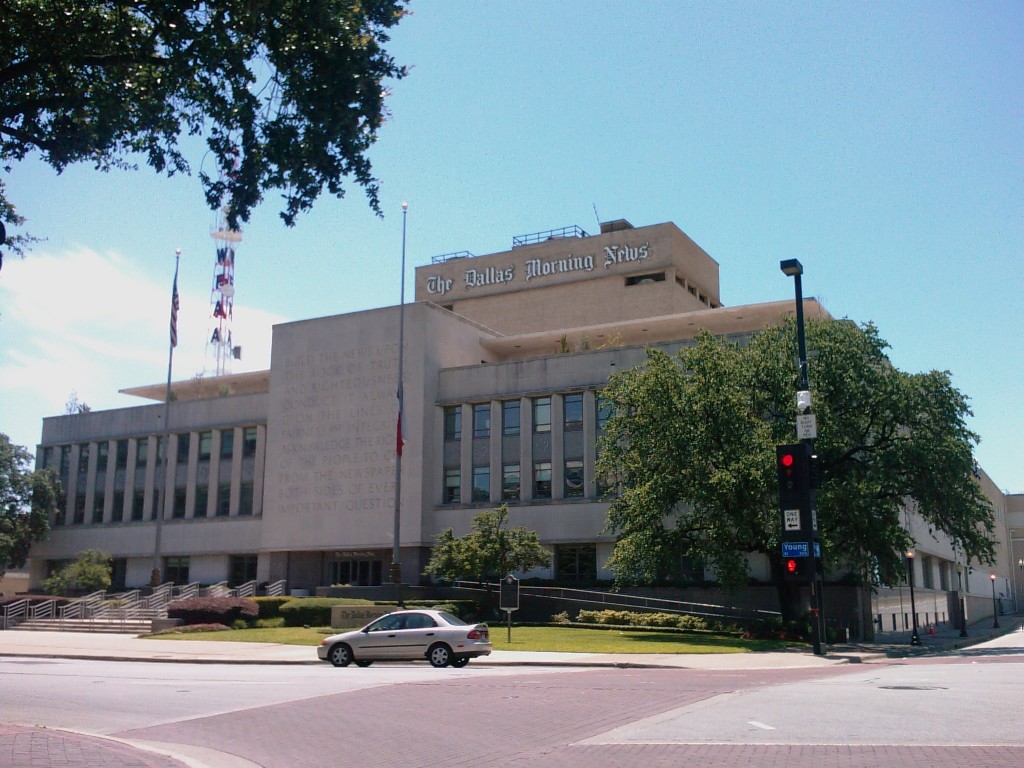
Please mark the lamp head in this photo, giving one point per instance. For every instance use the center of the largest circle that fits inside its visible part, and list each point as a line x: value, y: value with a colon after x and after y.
x: 791, y: 267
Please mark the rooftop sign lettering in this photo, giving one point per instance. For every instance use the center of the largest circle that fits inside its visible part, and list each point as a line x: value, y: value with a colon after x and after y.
x: 540, y: 268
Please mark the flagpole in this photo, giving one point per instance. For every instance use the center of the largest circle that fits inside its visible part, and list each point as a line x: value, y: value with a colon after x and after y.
x: 161, y: 460
x: 396, y: 563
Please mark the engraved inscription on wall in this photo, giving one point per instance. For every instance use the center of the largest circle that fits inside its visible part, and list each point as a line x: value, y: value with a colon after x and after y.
x: 338, y: 418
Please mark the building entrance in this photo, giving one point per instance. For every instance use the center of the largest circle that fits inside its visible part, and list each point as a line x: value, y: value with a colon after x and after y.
x: 361, y: 572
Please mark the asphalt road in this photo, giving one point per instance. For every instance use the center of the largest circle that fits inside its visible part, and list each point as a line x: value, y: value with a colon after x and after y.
x: 953, y: 710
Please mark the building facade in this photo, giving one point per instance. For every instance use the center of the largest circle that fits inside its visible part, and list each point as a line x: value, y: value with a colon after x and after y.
x: 290, y: 473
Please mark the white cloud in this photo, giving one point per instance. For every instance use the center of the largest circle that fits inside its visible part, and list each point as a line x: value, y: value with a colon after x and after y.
x: 92, y: 323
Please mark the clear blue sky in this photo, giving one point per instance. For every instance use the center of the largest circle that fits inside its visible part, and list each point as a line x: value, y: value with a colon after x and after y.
x: 880, y: 144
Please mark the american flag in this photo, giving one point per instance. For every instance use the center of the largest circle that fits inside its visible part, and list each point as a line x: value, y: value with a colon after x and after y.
x: 174, y: 309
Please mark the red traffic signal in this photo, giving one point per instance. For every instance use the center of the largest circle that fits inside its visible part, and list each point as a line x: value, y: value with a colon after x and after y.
x: 793, y: 467
x: 792, y: 568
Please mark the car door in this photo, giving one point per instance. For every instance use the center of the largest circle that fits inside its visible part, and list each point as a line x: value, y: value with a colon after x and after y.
x: 419, y: 632
x: 381, y: 639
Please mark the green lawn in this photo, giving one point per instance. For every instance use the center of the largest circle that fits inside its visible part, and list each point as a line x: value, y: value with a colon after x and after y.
x: 550, y: 638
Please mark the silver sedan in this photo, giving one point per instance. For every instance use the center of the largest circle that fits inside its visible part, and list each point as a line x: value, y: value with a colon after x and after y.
x: 437, y: 636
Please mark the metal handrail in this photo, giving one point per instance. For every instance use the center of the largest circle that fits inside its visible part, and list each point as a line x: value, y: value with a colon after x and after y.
x: 549, y: 234
x: 220, y: 589
x: 82, y: 607
x: 44, y: 610
x: 247, y: 589
x: 186, y: 591
x: 14, y: 610
x: 276, y: 588
x: 622, y: 600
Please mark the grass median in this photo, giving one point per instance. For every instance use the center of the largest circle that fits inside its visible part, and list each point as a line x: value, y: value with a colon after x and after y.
x: 526, y: 638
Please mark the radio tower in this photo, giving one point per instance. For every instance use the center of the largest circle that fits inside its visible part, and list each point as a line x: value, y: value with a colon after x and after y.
x: 222, y: 295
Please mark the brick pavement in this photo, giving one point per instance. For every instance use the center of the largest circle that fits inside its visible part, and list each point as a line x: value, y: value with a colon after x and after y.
x: 524, y: 721
x: 27, y: 747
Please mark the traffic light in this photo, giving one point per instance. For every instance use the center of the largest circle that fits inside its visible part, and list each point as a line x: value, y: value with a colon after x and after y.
x: 795, y: 568
x: 793, y: 463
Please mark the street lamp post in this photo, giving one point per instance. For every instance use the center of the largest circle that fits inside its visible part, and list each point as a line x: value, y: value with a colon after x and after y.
x: 962, y: 600
x: 915, y: 638
x: 793, y: 268
x: 995, y: 606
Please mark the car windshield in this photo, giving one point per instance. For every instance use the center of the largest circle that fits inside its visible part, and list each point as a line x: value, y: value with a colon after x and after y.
x: 450, y: 619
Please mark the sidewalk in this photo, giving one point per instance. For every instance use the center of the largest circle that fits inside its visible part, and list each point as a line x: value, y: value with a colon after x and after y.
x: 114, y: 647
x: 30, y: 747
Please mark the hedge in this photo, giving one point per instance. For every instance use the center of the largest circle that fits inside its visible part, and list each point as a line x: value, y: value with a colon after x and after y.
x: 214, y: 610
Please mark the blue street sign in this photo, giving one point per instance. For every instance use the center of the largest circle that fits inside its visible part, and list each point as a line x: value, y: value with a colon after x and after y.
x: 796, y: 549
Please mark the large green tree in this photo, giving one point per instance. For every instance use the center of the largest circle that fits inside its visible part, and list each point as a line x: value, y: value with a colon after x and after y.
x: 489, y: 552
x: 289, y: 94
x: 27, y: 500
x: 692, y: 446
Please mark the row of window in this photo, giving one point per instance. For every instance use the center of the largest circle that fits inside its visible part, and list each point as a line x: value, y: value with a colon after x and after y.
x: 572, y: 414
x: 136, y: 511
x: 510, y: 482
x: 205, y: 439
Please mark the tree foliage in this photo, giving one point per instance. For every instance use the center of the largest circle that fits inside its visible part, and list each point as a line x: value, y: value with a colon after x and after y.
x: 488, y: 552
x: 289, y: 94
x: 90, y: 572
x: 692, y: 445
x: 27, y: 500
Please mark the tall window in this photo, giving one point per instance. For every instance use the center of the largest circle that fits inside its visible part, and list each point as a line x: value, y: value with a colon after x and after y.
x: 205, y: 445
x: 576, y: 562
x: 604, y: 410
x: 452, y: 486
x: 481, y: 483
x: 453, y: 422
x: 573, y: 406
x: 542, y: 414
x: 202, y: 500
x: 141, y: 452
x: 65, y: 460
x: 481, y: 420
x: 83, y: 458
x: 97, y: 507
x: 79, y: 512
x: 178, y: 510
x: 121, y: 461
x: 249, y: 442
x: 542, y: 480
x: 117, y: 513
x: 102, y: 452
x: 183, y: 441
x: 246, y: 497
x: 227, y: 443
x: 510, y: 417
x: 510, y: 482
x: 242, y: 568
x: 573, y: 478
x: 224, y: 500
x: 138, y: 504
x: 176, y: 569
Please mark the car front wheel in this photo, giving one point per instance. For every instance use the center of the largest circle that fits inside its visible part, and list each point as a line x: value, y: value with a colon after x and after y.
x: 340, y: 655
x: 440, y: 655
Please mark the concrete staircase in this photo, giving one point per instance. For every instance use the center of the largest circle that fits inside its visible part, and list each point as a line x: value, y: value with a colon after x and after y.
x: 133, y: 626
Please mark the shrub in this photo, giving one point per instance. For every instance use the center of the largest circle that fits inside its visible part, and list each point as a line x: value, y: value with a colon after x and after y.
x: 310, y: 611
x: 270, y: 607
x: 639, y: 619
x: 213, y: 610
x: 193, y: 629
x: 561, y: 618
